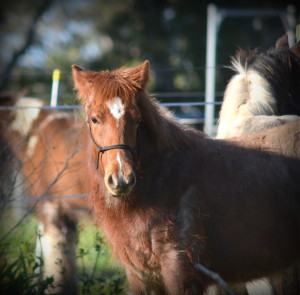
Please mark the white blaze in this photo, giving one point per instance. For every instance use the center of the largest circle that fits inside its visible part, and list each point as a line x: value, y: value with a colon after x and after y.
x: 120, y: 164
x: 116, y: 107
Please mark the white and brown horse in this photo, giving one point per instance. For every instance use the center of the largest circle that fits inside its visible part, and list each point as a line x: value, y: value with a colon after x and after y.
x: 49, y: 145
x: 168, y: 197
x: 264, y: 93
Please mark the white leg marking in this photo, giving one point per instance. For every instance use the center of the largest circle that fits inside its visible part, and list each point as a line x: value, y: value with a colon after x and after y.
x: 116, y: 107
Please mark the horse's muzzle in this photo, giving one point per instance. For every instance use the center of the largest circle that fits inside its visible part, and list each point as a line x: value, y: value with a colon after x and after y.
x: 120, y: 186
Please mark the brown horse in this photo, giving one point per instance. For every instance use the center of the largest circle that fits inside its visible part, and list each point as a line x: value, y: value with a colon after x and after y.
x: 49, y: 145
x: 169, y: 197
x: 264, y: 93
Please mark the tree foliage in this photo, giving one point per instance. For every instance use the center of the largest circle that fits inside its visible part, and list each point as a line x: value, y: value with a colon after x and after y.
x: 111, y: 33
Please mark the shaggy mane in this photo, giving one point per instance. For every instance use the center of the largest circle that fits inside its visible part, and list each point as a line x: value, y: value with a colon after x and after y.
x: 263, y: 85
x: 276, y: 64
x: 165, y: 130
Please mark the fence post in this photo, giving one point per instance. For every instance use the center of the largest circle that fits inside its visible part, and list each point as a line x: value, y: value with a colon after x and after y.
x: 214, y: 18
x: 55, y: 86
x: 289, y: 22
x: 211, y: 42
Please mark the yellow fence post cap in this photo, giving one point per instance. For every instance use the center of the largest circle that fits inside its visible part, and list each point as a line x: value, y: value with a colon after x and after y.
x: 56, y: 75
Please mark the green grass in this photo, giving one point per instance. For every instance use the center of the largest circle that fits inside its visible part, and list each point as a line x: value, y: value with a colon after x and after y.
x: 18, y: 264
x: 98, y: 272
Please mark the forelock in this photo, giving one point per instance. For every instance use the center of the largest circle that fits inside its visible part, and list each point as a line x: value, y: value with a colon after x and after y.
x: 108, y: 85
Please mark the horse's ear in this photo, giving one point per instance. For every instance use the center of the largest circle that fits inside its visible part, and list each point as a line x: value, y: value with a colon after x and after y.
x: 296, y: 49
x: 82, y: 81
x: 139, y: 74
x: 282, y: 42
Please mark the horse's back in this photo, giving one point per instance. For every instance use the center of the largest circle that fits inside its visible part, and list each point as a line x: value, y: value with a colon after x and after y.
x: 282, y: 140
x: 254, y: 124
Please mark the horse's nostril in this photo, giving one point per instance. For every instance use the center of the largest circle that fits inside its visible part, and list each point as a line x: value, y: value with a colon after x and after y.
x: 131, y: 180
x: 112, y: 181
x: 120, y: 185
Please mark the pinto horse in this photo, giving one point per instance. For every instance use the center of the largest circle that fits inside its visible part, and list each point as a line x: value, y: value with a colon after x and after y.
x: 264, y: 93
x: 168, y: 197
x: 49, y: 145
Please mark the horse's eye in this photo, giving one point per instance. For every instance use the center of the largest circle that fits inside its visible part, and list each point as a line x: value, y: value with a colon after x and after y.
x: 94, y: 120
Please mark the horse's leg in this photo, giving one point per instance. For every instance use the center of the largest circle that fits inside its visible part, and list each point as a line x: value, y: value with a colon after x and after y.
x: 38, y: 253
x: 139, y: 287
x: 177, y: 276
x: 176, y: 285
x: 58, y: 244
x: 136, y: 286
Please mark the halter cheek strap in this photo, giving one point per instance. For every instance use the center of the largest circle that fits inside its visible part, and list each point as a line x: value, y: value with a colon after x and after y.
x: 110, y: 147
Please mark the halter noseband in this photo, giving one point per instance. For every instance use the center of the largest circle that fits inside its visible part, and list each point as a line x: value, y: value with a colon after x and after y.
x: 111, y: 147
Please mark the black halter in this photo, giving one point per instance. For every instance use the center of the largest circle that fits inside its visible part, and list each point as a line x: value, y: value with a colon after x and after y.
x: 134, y: 152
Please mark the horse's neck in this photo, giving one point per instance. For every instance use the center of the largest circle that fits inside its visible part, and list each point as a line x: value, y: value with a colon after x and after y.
x: 147, y: 149
x: 247, y: 94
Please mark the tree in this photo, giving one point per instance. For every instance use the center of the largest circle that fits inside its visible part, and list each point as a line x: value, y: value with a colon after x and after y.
x: 111, y: 33
x: 29, y: 39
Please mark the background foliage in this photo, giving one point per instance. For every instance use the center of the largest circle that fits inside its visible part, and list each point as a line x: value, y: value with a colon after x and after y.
x: 106, y: 34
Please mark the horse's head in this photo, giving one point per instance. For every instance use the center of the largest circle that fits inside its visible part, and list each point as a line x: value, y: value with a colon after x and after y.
x: 113, y: 117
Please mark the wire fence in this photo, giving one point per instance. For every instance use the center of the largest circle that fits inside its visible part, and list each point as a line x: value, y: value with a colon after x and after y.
x: 74, y: 107
x: 78, y: 107
x: 190, y: 116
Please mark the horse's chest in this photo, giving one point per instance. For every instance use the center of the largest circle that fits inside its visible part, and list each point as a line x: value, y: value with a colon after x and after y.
x: 139, y: 247
x: 139, y: 253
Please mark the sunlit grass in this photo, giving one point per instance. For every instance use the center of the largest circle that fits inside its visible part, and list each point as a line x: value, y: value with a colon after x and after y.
x: 98, y: 272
